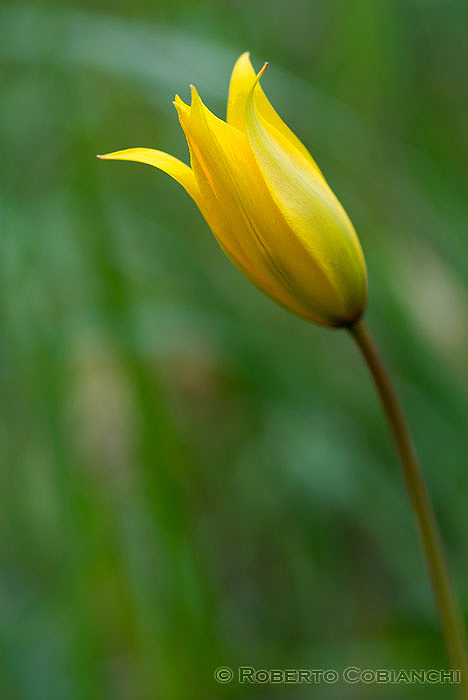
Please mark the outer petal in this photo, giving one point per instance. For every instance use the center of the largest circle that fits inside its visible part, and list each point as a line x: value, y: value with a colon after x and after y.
x: 210, y: 207
x: 310, y: 208
x: 242, y: 78
x: 225, y: 224
x: 270, y: 253
x: 170, y: 165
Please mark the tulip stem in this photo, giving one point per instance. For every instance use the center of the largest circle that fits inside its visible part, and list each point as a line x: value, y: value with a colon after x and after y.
x: 450, y: 618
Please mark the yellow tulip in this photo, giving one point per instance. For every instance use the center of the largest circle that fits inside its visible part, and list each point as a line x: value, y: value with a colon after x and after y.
x: 267, y: 203
x: 277, y: 219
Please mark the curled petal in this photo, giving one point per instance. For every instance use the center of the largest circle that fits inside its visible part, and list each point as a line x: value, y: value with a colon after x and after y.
x: 163, y: 161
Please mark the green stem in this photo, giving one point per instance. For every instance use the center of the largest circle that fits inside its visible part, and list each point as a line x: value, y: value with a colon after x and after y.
x: 450, y: 617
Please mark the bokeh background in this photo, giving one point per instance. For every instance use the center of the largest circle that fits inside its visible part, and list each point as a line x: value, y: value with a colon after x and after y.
x: 190, y: 476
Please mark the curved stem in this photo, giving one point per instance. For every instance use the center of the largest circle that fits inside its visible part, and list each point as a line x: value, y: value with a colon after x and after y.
x: 450, y: 618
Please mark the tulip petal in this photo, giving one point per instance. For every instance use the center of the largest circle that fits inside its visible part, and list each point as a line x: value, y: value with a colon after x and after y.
x: 242, y: 78
x: 163, y: 161
x: 222, y: 153
x: 309, y: 207
x: 257, y: 232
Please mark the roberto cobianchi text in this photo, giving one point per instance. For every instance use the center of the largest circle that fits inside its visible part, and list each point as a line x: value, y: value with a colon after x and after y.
x: 351, y: 674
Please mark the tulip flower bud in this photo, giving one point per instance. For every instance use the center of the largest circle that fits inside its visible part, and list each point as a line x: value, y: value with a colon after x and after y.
x: 267, y: 203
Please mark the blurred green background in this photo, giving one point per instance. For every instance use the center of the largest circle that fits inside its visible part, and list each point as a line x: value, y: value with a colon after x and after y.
x: 191, y: 477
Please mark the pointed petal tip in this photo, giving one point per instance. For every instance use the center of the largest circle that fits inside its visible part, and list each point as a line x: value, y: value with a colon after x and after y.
x: 263, y: 69
x: 179, y: 103
x: 194, y: 94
